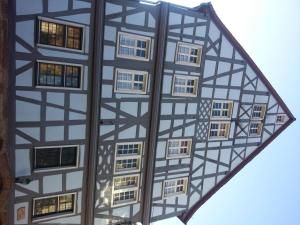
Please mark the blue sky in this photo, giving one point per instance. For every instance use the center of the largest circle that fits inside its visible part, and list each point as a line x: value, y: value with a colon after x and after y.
x: 267, y: 190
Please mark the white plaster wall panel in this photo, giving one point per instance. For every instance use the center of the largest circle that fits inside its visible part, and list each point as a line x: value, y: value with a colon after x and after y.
x: 211, y: 52
x: 174, y: 18
x: 87, y: 39
x: 270, y: 119
x: 107, y: 114
x: 35, y: 95
x: 214, y: 144
x: 28, y: 7
x: 128, y: 133
x: 77, y: 4
x: 250, y: 149
x: 189, y: 131
x: 210, y: 168
x: 17, y: 206
x: 54, y: 114
x: 177, y: 133
x: 177, y: 123
x: 223, y: 67
x: 160, y: 164
x: 214, y: 32
x: 226, y: 48
x: 122, y: 211
x: 65, y: 220
x: 26, y: 111
x: 222, y: 80
x: 180, y: 108
x: 110, y: 33
x: 235, y: 109
x: 247, y: 98
x: 261, y: 86
x: 209, y: 68
x: 232, y: 129
x: 173, y: 162
x: 157, y: 190
x: 280, y: 110
x: 160, y: 149
x: 20, y: 48
x: 212, y: 154
x: 56, y: 98
x: 156, y: 211
x: 241, y: 141
x: 130, y: 108
x: 74, y: 180
x: 33, y: 132
x: 83, y: 18
x: 142, y: 133
x: 144, y: 108
x: 164, y: 125
x: 166, y: 108
x: 169, y: 210
x: 78, y: 101
x: 25, y: 30
x: 236, y: 79
x: 81, y: 155
x: 187, y: 40
x: 104, y: 129
x: 76, y: 132
x: 136, y: 19
x: 188, y: 31
x: 57, y: 5
x: 208, y: 184
x: 76, y: 116
x: 200, y: 31
x: 32, y: 186
x: 52, y: 183
x: 54, y: 133
x: 108, y: 72
x: 192, y: 108
x: 206, y: 92
x: 227, y: 143
x: 220, y: 93
x: 107, y: 91
x: 108, y: 52
x: 170, y: 51
x: 60, y: 54
x: 250, y: 73
x: 137, y: 31
x: 20, y: 140
x: 261, y: 99
x: 25, y: 78
x: 111, y: 8
x: 234, y: 94
x: 22, y: 163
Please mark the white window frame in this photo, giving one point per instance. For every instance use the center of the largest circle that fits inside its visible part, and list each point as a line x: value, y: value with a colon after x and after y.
x: 228, y: 123
x: 263, y: 112
x: 283, y: 116
x: 185, y: 180
x: 132, y: 72
x: 139, y: 38
x: 126, y: 157
x: 190, y: 46
x: 59, y: 63
x: 40, y: 170
x: 179, y: 155
x: 126, y: 202
x: 186, y: 78
x: 229, y: 110
x: 259, y: 128
x: 54, y: 215
x: 65, y: 23
x: 124, y: 189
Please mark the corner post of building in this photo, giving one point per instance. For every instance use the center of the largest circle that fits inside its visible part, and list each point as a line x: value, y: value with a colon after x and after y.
x: 94, y: 101
x: 155, y: 108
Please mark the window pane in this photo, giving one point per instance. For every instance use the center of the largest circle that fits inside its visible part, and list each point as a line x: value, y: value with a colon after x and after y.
x: 45, y: 206
x: 52, y: 33
x: 74, y: 39
x: 69, y: 156
x: 66, y: 203
x: 73, y: 76
x: 47, y: 158
x: 50, y: 74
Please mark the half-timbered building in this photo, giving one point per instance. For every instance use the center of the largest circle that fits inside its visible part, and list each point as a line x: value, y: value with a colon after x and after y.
x: 124, y: 111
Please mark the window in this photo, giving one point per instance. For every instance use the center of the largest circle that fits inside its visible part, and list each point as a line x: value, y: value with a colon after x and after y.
x: 219, y: 130
x: 179, y: 148
x: 131, y: 81
x: 60, y: 35
x: 258, y: 111
x: 131, y: 148
x: 126, y: 181
x: 125, y: 190
x: 59, y: 75
x: 133, y: 46
x: 128, y: 157
x: 255, y: 128
x: 53, y: 157
x: 280, y: 119
x: 124, y: 197
x: 188, y: 54
x: 221, y: 109
x: 53, y: 205
x: 185, y: 86
x: 175, y: 187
